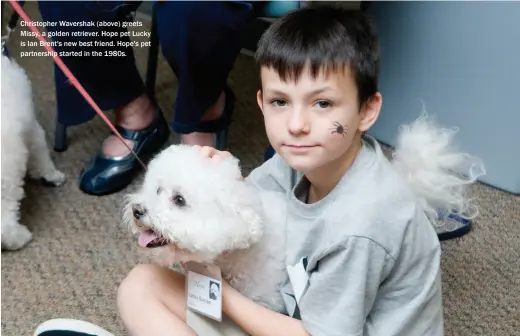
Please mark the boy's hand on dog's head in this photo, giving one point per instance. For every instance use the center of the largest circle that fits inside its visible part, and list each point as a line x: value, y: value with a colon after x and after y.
x: 213, y: 153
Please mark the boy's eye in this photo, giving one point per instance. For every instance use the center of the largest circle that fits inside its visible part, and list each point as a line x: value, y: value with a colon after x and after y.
x: 323, y: 104
x: 278, y: 103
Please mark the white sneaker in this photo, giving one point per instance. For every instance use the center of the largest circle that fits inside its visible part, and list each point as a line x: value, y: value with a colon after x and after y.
x: 68, y: 327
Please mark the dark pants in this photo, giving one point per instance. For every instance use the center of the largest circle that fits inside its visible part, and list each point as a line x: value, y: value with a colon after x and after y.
x: 200, y: 41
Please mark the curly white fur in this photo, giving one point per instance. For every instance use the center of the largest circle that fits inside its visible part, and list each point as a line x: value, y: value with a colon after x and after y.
x: 436, y: 171
x: 223, y: 221
x: 24, y: 150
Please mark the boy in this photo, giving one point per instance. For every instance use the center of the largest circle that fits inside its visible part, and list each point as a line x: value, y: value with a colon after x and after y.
x: 363, y: 259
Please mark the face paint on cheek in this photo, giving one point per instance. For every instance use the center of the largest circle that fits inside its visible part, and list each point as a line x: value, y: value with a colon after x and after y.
x: 339, y: 129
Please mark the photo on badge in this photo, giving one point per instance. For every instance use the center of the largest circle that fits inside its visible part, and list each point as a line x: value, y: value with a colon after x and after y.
x: 214, y: 290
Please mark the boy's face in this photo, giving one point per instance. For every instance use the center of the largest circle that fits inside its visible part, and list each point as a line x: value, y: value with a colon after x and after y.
x: 314, y: 121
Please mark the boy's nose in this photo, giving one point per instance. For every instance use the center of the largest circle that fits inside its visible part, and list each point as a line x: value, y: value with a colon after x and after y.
x: 299, y: 122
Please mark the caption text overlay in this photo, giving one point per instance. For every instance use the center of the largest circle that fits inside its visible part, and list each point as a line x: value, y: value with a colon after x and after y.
x: 84, y: 38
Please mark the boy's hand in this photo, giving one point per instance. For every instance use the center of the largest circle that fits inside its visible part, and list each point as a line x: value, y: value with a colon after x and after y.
x: 214, y: 154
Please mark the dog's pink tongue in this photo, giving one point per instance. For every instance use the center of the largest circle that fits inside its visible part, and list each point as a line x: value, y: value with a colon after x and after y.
x: 145, y: 238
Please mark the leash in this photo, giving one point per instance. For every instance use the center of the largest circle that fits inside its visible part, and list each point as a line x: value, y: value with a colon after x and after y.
x: 21, y: 13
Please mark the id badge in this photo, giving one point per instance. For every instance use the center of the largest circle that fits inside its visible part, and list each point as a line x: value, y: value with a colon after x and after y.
x: 204, y: 290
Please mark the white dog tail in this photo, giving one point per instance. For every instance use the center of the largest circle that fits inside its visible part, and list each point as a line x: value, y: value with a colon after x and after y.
x: 435, y: 170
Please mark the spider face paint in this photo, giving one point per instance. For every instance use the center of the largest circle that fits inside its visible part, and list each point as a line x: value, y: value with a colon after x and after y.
x: 339, y: 129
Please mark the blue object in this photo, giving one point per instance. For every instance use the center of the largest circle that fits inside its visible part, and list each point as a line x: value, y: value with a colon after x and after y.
x: 269, y: 153
x: 464, y: 228
x: 280, y: 8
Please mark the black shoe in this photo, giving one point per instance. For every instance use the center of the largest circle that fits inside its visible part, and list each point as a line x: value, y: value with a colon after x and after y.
x: 105, y: 175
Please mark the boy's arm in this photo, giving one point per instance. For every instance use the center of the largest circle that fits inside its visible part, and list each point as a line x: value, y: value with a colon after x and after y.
x: 257, y: 320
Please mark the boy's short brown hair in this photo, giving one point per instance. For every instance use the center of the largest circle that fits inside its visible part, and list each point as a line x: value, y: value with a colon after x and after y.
x: 326, y: 38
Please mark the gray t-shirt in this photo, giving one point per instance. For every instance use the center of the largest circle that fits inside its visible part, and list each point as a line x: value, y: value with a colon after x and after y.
x: 364, y: 260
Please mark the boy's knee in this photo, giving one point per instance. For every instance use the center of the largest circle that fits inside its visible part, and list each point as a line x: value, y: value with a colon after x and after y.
x: 149, y: 285
x: 139, y: 280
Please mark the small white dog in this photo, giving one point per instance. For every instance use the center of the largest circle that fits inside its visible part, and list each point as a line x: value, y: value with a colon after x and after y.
x: 24, y: 151
x: 195, y: 209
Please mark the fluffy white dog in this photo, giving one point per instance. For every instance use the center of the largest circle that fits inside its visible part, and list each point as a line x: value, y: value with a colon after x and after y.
x: 196, y: 209
x: 24, y: 151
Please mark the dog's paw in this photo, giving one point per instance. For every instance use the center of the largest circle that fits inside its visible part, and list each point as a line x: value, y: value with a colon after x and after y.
x: 15, y: 237
x: 54, y: 179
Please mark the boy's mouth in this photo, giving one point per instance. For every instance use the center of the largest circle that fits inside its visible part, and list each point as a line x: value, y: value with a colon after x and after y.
x: 151, y: 239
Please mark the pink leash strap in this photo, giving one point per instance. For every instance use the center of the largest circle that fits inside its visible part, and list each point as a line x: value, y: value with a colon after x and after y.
x: 71, y: 77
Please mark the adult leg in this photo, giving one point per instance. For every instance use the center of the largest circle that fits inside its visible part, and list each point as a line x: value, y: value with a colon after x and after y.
x: 113, y: 82
x: 200, y: 41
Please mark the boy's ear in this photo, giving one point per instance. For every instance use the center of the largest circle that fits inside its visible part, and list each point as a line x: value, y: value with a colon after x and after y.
x: 259, y: 100
x: 370, y: 112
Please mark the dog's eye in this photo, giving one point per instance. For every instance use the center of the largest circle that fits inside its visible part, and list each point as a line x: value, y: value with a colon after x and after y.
x: 159, y: 190
x: 179, y: 200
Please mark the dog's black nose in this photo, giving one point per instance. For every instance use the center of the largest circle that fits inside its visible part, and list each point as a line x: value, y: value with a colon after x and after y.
x: 138, y: 211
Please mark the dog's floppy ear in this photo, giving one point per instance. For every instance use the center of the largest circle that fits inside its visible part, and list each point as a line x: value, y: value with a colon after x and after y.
x: 245, y: 208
